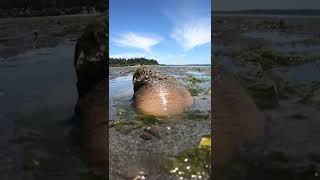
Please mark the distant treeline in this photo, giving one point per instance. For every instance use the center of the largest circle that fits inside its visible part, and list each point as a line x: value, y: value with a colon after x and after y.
x: 16, y: 8
x: 131, y: 61
x: 305, y: 12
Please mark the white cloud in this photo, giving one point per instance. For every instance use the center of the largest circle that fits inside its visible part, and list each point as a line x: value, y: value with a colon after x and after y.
x: 137, y: 41
x: 192, y: 33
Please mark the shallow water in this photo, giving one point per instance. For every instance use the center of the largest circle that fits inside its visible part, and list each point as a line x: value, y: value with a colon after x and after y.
x: 120, y: 87
x: 197, y: 73
x: 39, y: 78
x: 38, y: 97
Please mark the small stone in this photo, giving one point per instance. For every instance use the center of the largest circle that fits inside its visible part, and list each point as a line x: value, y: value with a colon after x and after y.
x: 209, y: 91
x: 146, y: 136
x: 154, y: 130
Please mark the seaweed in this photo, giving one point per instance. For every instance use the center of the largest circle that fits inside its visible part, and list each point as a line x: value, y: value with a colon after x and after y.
x: 192, y: 163
x: 128, y: 120
x: 198, y: 115
x: 268, y: 59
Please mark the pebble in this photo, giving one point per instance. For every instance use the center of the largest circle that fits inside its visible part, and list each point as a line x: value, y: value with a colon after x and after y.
x: 154, y: 130
x: 146, y: 136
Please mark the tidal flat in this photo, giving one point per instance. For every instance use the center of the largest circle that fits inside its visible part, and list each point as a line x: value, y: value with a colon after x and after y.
x: 37, y: 98
x: 160, y: 147
x: 276, y: 60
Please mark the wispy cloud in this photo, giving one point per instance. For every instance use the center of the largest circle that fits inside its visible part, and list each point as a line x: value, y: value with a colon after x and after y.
x: 192, y: 33
x: 135, y: 40
x: 191, y: 23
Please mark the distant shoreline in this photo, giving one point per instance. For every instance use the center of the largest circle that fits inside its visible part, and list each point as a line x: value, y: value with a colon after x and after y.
x: 185, y: 65
x: 272, y: 12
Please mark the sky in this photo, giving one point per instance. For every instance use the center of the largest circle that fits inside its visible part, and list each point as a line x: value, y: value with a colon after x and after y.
x: 170, y: 31
x: 265, y: 4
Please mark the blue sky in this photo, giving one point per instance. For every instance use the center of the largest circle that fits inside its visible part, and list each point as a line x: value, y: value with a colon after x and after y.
x: 170, y: 31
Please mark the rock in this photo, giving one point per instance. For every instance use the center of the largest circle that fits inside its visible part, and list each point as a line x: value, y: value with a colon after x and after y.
x: 154, y: 130
x: 159, y: 95
x: 209, y: 91
x: 145, y: 136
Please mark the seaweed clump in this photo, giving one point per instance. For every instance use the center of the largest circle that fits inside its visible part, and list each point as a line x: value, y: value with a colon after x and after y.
x: 267, y: 58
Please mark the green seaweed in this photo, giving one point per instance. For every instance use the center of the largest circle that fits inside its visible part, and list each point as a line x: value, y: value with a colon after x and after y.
x: 191, y: 163
x: 193, y: 85
x: 149, y: 120
x: 195, y: 90
x: 125, y: 126
x: 198, y: 115
x: 195, y: 80
x: 128, y: 120
x: 268, y: 59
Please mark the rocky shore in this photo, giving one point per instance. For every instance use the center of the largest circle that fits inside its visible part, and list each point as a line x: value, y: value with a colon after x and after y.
x: 272, y: 57
x: 152, y: 146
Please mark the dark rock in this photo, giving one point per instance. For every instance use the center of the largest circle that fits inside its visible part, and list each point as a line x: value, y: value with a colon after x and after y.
x: 145, y: 136
x: 154, y: 130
